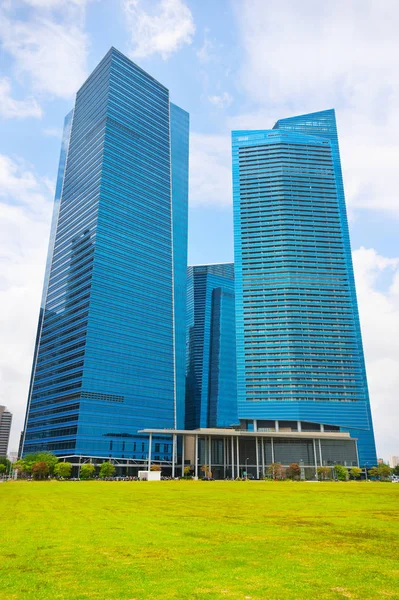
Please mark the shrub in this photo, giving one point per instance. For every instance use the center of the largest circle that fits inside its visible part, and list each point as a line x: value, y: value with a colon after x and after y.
x: 341, y: 473
x: 276, y: 471
x: 355, y: 472
x: 155, y: 468
x: 206, y: 471
x: 324, y: 473
x: 294, y: 471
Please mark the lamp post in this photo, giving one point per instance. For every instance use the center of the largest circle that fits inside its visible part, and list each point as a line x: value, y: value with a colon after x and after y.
x: 365, y: 469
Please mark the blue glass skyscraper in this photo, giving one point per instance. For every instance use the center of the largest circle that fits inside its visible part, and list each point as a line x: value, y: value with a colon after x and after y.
x: 110, y: 351
x: 300, y: 363
x: 211, y: 393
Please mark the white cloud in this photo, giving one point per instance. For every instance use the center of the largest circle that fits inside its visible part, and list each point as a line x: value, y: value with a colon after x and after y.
x: 205, y: 53
x: 379, y: 317
x: 12, y: 108
x: 25, y: 211
x: 49, y: 4
x: 210, y: 170
x: 305, y: 56
x: 164, y: 31
x: 53, y: 132
x: 50, y: 48
x: 222, y: 101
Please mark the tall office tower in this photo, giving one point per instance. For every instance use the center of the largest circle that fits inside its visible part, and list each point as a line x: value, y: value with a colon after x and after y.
x: 300, y: 363
x: 108, y: 360
x: 211, y: 394
x: 5, y: 428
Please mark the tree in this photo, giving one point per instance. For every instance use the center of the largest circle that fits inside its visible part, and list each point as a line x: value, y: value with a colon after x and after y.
x: 324, y: 473
x: 187, y: 471
x: 395, y: 470
x: 47, y: 457
x: 355, y: 472
x: 373, y: 472
x: 384, y: 472
x: 2, y: 469
x: 20, y: 467
x: 294, y: 471
x: 40, y: 470
x: 87, y: 471
x: 7, y: 463
x: 107, y: 469
x: 341, y: 473
x: 276, y: 471
x: 63, y: 469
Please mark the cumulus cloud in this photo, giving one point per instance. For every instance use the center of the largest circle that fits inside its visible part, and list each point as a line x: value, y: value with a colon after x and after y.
x: 304, y: 56
x: 12, y: 108
x: 222, y: 101
x: 210, y: 170
x: 377, y: 280
x: 162, y: 31
x: 50, y: 48
x: 25, y: 211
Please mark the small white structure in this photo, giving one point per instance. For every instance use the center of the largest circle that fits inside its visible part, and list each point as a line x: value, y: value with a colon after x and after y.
x: 150, y: 475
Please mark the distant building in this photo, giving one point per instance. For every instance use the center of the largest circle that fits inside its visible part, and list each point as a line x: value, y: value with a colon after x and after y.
x: 211, y: 389
x: 393, y: 461
x: 5, y: 428
x: 300, y: 363
x: 111, y: 339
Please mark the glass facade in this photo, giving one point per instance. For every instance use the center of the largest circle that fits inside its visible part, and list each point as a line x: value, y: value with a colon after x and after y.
x: 179, y: 128
x: 107, y: 356
x: 299, y: 348
x: 211, y: 393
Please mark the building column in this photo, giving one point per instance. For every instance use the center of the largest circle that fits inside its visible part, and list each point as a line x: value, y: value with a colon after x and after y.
x: 320, y: 454
x: 232, y: 457
x: 182, y: 456
x: 224, y: 457
x: 263, y: 456
x: 238, y: 457
x: 210, y: 454
x: 257, y: 457
x: 149, y: 451
x: 315, y: 458
x: 272, y: 447
x: 299, y: 425
x: 276, y: 426
x: 196, y: 457
x: 173, y: 455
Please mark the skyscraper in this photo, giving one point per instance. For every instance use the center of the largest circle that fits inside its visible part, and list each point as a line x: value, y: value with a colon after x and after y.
x: 300, y: 363
x: 211, y: 361
x: 108, y: 358
x: 5, y: 428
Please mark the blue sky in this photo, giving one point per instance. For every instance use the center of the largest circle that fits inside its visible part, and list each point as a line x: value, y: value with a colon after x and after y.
x: 231, y: 64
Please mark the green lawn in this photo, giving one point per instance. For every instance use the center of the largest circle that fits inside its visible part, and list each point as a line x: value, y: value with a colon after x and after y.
x: 189, y: 540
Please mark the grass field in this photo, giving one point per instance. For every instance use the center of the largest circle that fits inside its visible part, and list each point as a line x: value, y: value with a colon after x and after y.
x: 191, y: 540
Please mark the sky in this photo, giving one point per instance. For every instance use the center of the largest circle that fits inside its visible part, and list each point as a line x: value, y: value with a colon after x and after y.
x: 232, y: 64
